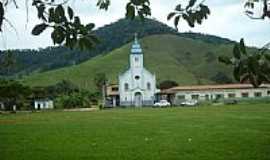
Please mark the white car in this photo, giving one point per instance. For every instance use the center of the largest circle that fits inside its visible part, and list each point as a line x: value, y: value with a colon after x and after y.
x: 189, y: 103
x: 162, y: 103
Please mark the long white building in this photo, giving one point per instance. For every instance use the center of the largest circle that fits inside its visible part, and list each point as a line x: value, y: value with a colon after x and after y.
x: 177, y: 95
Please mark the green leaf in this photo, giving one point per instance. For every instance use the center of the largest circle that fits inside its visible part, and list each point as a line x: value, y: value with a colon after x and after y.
x: 39, y: 29
x: 77, y: 21
x: 41, y: 10
x: 178, y: 7
x: 90, y: 26
x: 236, y: 52
x: 60, y: 14
x: 176, y: 21
x: 2, y: 11
x: 191, y: 3
x: 243, y: 47
x: 51, y: 15
x: 171, y: 15
x: 70, y: 13
x: 130, y: 11
x: 58, y: 35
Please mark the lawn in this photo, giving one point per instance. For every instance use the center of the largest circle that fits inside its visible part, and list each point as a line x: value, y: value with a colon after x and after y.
x: 239, y: 132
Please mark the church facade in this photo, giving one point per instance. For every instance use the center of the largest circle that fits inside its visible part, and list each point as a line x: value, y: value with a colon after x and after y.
x: 137, y: 86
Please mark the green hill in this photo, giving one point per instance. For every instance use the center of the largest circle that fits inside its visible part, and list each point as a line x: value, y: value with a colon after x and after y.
x: 112, y: 36
x: 170, y: 57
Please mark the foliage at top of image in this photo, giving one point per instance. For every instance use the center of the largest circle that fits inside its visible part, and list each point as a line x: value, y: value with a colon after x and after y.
x: 68, y: 30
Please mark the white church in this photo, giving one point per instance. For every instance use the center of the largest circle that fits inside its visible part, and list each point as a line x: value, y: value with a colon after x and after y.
x: 137, y: 86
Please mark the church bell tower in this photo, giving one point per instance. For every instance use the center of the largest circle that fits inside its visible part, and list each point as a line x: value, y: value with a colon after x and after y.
x: 136, y: 56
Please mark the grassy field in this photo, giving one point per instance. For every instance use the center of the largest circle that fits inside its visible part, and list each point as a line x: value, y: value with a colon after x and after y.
x: 240, y: 132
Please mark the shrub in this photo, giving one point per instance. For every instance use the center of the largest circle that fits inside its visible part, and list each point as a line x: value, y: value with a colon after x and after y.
x: 75, y: 100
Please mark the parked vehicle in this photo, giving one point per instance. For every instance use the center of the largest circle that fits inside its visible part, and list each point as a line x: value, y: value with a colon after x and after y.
x: 189, y: 103
x: 230, y: 101
x: 162, y: 103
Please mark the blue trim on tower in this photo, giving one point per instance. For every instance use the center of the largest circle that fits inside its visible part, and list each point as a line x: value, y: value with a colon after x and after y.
x: 136, y: 47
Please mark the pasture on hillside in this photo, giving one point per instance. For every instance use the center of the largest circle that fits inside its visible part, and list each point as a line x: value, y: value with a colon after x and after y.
x: 236, y: 132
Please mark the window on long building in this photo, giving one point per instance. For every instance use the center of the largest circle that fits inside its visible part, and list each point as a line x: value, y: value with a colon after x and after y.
x: 181, y: 97
x: 258, y: 94
x: 219, y: 96
x: 231, y: 95
x: 245, y: 94
x: 195, y: 96
x: 268, y: 93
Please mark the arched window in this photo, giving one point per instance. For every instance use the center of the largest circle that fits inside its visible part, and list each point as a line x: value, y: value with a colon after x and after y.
x: 137, y: 77
x: 126, y: 86
x: 149, y: 86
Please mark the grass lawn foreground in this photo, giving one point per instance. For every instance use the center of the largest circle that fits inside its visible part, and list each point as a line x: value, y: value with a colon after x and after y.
x: 237, y: 132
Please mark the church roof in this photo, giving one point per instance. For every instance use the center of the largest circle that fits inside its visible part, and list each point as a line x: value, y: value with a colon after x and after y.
x: 136, y: 47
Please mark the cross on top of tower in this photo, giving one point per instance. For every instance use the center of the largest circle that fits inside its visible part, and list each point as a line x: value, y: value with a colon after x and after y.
x: 136, y: 37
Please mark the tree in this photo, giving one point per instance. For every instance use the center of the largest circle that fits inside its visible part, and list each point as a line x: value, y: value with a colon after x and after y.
x: 100, y: 81
x: 249, y: 67
x: 8, y: 62
x: 13, y: 93
x: 167, y: 84
x: 221, y: 78
x: 64, y: 87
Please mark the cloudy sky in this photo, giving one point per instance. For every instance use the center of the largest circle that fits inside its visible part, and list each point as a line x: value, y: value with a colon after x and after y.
x: 227, y: 20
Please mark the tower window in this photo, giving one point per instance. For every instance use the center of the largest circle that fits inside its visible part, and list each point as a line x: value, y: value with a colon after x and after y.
x: 137, y: 77
x: 136, y: 59
x: 126, y: 86
x: 149, y: 86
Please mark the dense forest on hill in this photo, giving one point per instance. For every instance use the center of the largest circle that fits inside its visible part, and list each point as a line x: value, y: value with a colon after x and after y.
x: 112, y: 36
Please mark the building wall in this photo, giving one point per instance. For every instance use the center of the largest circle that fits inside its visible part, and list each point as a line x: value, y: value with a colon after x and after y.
x: 43, y: 104
x: 138, y: 79
x: 219, y: 94
x: 140, y: 85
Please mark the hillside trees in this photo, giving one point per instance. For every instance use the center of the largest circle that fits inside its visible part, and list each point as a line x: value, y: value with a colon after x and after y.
x: 167, y: 84
x: 7, y: 62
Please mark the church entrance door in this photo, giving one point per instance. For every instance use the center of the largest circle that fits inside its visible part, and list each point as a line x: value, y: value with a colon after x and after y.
x: 138, y: 99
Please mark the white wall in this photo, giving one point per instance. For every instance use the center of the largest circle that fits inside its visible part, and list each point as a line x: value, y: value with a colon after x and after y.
x: 214, y: 93
x: 43, y: 104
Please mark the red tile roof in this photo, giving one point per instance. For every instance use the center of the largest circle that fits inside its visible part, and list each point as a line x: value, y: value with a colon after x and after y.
x: 211, y: 87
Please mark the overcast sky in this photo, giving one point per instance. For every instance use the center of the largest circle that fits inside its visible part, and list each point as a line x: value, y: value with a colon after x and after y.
x: 227, y: 20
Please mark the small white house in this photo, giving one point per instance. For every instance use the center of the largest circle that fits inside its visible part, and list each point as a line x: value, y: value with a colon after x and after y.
x: 2, y: 106
x: 43, y: 104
